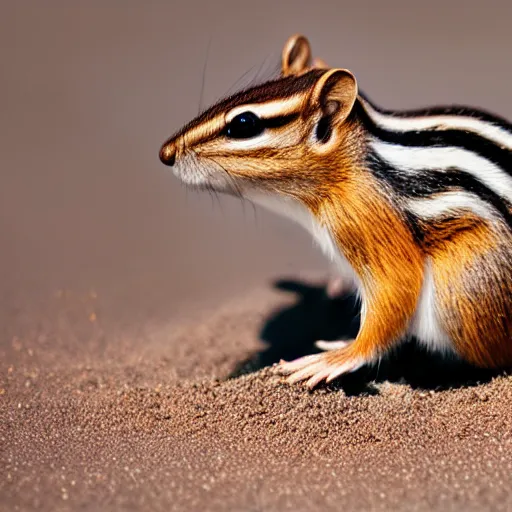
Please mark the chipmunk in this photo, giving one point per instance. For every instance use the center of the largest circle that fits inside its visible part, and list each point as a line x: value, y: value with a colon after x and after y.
x: 415, y: 208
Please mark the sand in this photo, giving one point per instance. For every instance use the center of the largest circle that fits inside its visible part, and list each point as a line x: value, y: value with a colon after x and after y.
x: 183, y: 417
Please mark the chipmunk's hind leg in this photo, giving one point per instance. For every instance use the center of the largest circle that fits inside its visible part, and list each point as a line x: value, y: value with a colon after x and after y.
x: 475, y: 300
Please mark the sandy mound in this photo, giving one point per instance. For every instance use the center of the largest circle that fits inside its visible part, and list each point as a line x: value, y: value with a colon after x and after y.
x: 185, y: 419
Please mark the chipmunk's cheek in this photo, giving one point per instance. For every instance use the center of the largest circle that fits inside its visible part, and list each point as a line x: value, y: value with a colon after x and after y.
x: 209, y: 148
x: 226, y: 163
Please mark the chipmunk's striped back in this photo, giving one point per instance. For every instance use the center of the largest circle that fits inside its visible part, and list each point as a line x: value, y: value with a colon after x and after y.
x: 442, y: 160
x: 415, y: 208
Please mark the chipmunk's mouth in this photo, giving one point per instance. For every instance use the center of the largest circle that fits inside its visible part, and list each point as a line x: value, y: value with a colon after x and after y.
x: 204, y: 173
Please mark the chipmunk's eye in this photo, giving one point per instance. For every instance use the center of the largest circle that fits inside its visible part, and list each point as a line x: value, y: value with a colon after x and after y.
x: 244, y: 126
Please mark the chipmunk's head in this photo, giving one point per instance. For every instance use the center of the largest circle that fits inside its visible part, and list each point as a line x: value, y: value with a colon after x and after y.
x: 284, y: 136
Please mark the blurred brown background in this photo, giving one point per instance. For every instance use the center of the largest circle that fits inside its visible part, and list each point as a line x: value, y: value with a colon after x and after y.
x: 89, y: 90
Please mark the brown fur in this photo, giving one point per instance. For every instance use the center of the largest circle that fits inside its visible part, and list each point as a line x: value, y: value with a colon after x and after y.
x: 475, y: 294
x: 438, y: 234
x: 380, y: 247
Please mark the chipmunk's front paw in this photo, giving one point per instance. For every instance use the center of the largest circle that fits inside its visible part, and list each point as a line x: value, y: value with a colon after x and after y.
x: 319, y: 367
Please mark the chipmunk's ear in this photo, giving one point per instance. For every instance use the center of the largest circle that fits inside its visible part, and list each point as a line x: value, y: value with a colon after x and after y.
x: 335, y: 94
x: 296, y: 55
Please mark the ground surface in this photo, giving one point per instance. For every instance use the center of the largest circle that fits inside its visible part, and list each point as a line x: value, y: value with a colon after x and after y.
x: 97, y: 421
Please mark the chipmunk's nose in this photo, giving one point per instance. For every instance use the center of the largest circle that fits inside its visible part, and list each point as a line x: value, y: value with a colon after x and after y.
x: 168, y: 154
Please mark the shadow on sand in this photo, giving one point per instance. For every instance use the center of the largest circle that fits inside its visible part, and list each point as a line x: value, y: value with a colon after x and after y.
x: 291, y: 332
